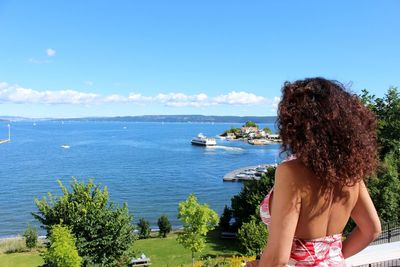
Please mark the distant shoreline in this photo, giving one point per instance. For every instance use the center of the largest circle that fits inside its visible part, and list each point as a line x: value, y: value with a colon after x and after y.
x: 158, y: 118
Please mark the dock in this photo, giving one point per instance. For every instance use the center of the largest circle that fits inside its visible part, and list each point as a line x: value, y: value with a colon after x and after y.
x: 231, y: 176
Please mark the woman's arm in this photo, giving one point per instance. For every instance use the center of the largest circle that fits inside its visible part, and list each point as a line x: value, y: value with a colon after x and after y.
x: 285, y: 214
x: 368, y: 225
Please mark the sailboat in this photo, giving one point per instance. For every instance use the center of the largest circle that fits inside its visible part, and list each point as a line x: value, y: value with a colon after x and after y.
x: 2, y: 141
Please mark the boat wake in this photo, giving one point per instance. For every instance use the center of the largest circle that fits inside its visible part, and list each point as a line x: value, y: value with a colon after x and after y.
x: 228, y: 148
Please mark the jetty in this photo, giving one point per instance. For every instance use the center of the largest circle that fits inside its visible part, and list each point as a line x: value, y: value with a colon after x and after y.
x: 247, y: 173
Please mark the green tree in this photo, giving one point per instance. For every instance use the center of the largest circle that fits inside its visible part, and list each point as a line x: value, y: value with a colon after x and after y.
x: 267, y: 130
x: 164, y: 225
x: 250, y: 124
x: 253, y: 236
x: 387, y: 111
x: 62, y: 251
x: 197, y: 220
x: 144, y: 228
x: 236, y: 131
x: 247, y: 202
x: 103, y: 230
x: 31, y: 237
x: 384, y: 188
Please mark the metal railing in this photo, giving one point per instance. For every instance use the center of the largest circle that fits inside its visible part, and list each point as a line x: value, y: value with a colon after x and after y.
x: 390, y: 233
x: 391, y: 263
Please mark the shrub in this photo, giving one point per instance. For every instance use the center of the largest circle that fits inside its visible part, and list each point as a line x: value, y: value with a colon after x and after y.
x: 104, y: 231
x: 253, y: 236
x: 234, y: 261
x: 247, y: 203
x: 144, y: 228
x: 12, y: 245
x: 62, y: 251
x: 164, y: 225
x: 31, y: 237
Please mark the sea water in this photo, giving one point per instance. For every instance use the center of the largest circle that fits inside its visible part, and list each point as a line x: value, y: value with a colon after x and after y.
x: 150, y: 166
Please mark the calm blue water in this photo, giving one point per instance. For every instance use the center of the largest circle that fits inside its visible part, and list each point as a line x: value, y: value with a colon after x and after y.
x: 151, y: 166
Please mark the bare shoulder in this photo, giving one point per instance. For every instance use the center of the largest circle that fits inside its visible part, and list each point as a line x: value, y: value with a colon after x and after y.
x: 289, y: 171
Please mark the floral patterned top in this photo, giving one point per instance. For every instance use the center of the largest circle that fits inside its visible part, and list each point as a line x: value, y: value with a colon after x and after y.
x: 324, y: 251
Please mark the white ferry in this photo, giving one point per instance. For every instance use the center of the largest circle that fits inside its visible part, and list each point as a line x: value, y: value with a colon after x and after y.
x: 202, y: 140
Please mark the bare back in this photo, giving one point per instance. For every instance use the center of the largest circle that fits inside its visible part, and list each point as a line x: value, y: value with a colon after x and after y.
x: 321, y: 214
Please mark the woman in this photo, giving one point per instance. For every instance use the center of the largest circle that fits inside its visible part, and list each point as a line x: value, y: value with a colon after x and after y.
x: 331, y: 139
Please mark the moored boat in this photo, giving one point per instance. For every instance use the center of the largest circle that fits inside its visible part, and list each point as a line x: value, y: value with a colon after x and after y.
x: 259, y: 142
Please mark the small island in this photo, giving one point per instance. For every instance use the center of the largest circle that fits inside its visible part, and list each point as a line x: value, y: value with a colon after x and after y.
x: 251, y: 133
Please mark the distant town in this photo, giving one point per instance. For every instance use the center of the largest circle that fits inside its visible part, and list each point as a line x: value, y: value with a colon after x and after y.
x: 251, y: 133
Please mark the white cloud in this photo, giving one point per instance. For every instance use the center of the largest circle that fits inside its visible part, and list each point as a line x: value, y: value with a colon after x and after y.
x: 115, y: 99
x: 183, y: 100
x: 17, y: 94
x: 3, y: 85
x: 138, y: 98
x: 21, y: 95
x: 240, y: 98
x: 201, y: 97
x: 50, y: 52
x: 275, y: 102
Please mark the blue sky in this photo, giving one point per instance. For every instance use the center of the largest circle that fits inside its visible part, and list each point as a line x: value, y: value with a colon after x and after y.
x: 108, y: 58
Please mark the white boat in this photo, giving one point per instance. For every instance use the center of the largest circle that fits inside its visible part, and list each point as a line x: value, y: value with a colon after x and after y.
x: 261, y: 169
x: 202, y: 140
x: 242, y: 176
x: 245, y: 177
x: 259, y: 142
x: 65, y: 146
x: 249, y: 172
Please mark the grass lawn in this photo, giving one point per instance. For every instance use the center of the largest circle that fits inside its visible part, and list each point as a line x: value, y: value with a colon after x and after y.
x: 163, y: 252
x: 13, y: 253
x: 22, y: 259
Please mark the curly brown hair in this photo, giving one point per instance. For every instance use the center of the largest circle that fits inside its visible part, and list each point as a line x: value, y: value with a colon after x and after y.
x: 329, y: 130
